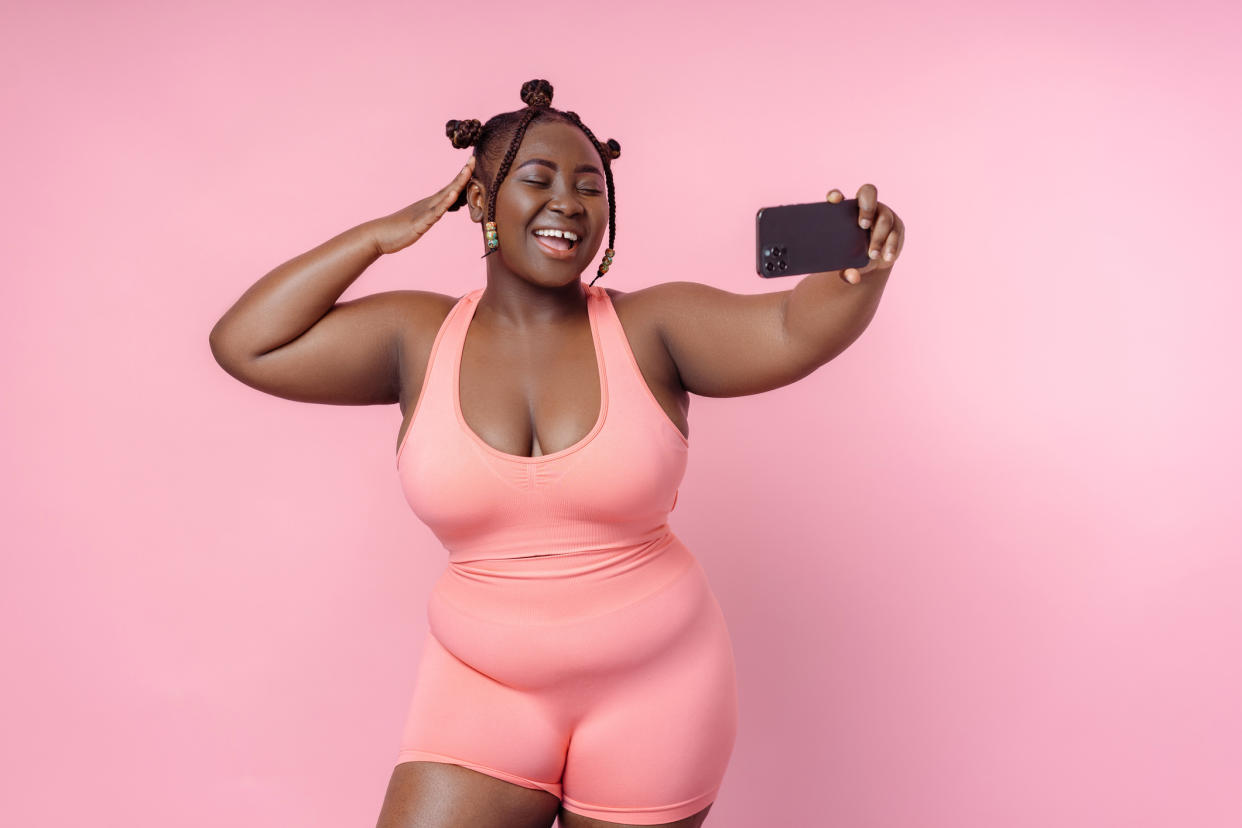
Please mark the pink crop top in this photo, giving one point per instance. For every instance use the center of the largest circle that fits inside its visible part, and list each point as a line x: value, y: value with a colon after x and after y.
x: 613, y: 489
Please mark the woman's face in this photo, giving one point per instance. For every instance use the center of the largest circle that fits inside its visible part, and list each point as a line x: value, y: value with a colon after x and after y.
x: 556, y: 180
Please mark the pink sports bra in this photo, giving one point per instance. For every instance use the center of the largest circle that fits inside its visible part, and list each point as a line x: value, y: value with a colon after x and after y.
x: 613, y: 489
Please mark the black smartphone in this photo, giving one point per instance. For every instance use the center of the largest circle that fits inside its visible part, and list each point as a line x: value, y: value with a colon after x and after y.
x: 809, y: 238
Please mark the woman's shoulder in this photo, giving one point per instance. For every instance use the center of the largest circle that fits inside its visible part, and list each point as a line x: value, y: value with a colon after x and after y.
x: 638, y: 314
x: 423, y: 313
x: 422, y: 305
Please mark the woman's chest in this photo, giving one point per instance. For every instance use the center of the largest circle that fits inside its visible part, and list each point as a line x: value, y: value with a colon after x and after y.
x: 538, y: 394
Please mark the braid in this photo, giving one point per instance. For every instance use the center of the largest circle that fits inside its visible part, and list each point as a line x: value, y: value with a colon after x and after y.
x: 527, y: 117
x: 605, y: 153
x: 537, y: 95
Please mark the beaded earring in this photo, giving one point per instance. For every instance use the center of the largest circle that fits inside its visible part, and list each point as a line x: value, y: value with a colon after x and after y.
x: 492, y: 241
x: 606, y: 263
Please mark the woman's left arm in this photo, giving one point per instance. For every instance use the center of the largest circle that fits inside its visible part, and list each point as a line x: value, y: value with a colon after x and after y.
x: 728, y: 345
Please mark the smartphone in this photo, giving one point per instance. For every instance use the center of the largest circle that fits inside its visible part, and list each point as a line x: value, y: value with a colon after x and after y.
x: 809, y: 238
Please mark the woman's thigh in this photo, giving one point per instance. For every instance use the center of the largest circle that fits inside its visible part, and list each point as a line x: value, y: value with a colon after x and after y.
x: 568, y: 819
x: 653, y: 745
x: 441, y: 795
x: 625, y: 709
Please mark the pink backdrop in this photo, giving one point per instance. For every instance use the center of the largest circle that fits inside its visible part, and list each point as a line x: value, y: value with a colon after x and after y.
x: 980, y: 570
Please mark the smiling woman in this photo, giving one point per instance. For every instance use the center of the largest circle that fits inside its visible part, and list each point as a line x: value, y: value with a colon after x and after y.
x: 577, y: 668
x: 489, y: 138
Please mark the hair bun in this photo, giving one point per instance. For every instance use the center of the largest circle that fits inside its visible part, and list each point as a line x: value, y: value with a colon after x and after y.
x: 537, y: 93
x: 614, y: 149
x: 463, y: 133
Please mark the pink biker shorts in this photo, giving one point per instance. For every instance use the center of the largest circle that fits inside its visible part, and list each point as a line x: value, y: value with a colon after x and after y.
x: 605, y: 678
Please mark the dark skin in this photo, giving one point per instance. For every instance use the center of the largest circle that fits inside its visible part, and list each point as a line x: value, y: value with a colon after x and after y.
x: 529, y: 354
x: 529, y: 382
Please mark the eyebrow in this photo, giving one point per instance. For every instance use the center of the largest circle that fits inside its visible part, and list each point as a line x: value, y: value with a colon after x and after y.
x: 545, y: 162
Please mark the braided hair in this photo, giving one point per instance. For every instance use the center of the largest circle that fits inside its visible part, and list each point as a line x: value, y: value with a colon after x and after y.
x: 488, y: 138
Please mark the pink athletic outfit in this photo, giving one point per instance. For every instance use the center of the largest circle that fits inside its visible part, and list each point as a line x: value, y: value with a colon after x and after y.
x: 574, y: 643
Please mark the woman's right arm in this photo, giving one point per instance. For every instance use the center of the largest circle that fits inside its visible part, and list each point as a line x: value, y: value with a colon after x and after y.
x: 288, y: 335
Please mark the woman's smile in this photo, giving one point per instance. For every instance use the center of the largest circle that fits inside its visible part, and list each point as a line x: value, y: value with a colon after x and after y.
x: 554, y: 248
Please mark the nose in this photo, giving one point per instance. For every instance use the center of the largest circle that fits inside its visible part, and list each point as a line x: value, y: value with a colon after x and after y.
x: 566, y: 202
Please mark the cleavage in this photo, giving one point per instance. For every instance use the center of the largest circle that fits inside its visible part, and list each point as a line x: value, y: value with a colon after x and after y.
x: 530, y: 396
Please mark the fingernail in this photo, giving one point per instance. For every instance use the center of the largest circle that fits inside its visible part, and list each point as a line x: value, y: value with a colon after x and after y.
x: 873, y: 253
x: 864, y: 224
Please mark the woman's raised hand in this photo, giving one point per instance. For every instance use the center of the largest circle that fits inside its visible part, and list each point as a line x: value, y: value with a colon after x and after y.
x: 401, y: 229
x: 887, y: 237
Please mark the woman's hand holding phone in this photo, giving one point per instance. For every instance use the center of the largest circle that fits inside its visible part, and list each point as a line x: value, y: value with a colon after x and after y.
x: 887, y: 236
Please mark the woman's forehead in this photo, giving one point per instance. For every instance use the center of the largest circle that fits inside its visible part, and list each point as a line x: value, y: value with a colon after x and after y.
x: 553, y: 140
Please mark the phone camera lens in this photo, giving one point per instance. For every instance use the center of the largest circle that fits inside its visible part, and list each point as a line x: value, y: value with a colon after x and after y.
x: 783, y: 265
x: 768, y: 267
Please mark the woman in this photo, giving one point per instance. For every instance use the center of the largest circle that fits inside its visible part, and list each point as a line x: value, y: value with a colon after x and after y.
x: 577, y: 664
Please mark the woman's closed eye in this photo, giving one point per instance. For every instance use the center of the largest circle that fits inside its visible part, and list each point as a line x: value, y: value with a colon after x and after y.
x: 539, y: 183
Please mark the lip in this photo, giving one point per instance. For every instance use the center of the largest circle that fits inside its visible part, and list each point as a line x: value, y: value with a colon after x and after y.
x: 553, y: 253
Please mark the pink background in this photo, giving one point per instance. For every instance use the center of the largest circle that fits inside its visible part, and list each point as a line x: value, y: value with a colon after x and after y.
x: 980, y: 570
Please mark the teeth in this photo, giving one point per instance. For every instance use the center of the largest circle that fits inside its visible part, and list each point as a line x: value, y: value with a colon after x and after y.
x: 567, y: 234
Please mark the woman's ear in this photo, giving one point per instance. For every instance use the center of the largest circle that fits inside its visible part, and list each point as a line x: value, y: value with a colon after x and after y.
x: 476, y: 200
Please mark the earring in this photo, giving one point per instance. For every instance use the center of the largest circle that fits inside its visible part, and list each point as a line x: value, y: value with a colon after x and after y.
x: 607, y: 262
x: 492, y: 241
x: 603, y: 266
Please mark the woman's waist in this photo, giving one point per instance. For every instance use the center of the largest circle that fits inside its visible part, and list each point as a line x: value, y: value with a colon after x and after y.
x: 528, y: 552
x: 548, y: 588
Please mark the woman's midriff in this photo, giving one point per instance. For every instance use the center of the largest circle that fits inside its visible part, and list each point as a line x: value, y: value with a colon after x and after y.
x: 535, y: 622
x: 563, y: 589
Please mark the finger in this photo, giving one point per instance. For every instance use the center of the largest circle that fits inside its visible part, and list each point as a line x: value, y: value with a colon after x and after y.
x: 891, y: 245
x: 463, y: 176
x: 445, y: 201
x: 883, y: 225
x: 897, y: 238
x: 851, y: 275
x: 839, y: 196
x: 451, y: 190
x: 867, y: 200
